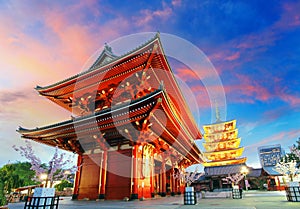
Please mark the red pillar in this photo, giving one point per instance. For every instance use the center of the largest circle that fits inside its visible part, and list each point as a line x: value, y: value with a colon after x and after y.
x: 173, y: 180
x: 163, y: 179
x: 77, y: 177
x: 134, y: 190
x: 152, y: 176
x: 103, y: 175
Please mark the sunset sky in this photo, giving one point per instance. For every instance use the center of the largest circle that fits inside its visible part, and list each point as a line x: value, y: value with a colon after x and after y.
x: 253, y: 45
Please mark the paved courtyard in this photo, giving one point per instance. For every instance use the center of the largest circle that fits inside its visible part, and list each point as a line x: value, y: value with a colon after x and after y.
x: 251, y: 200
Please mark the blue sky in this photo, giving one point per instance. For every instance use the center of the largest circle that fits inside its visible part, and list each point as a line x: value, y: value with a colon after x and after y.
x: 253, y: 45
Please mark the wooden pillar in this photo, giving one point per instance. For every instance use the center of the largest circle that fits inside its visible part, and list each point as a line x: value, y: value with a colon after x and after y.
x: 160, y: 181
x: 77, y: 178
x: 134, y: 177
x: 152, y: 175
x: 172, y: 181
x: 103, y: 175
x: 157, y: 183
x: 175, y: 185
x: 163, y: 179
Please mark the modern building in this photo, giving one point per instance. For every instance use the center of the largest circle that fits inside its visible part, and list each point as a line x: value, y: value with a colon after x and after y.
x: 269, y: 156
x: 132, y: 129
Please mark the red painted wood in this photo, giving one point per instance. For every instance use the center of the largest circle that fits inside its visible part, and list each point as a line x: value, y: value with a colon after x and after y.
x: 103, y: 173
x: 118, y: 174
x: 78, y: 174
x: 90, y: 172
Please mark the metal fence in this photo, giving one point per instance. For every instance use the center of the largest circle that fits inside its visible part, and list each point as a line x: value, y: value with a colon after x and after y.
x: 293, y: 194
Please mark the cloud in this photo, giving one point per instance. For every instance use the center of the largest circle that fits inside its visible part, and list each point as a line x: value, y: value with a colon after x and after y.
x: 290, y: 17
x: 186, y: 74
x: 275, y: 139
x: 11, y: 97
x: 233, y: 57
x: 176, y: 3
x: 247, y: 90
x: 148, y: 16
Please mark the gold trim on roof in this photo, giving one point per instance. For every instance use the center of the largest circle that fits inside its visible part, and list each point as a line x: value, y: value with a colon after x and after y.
x: 225, y: 162
x: 223, y: 145
x: 224, y: 155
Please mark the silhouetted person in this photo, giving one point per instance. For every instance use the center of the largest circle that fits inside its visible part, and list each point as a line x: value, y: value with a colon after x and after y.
x: 241, y: 190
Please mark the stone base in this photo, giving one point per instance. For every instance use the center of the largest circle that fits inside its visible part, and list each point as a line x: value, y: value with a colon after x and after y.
x: 163, y: 194
x: 101, y: 196
x: 75, y: 197
x: 134, y: 196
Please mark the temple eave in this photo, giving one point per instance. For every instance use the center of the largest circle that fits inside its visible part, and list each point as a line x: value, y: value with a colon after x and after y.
x: 225, y: 162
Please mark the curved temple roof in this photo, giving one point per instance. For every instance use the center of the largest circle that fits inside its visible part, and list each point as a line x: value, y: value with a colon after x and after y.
x: 80, y: 132
x: 89, y: 96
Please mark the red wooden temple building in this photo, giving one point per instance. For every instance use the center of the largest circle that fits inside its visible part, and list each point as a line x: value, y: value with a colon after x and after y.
x: 132, y: 129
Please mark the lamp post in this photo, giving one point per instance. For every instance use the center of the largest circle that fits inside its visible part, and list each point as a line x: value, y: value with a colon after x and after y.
x: 245, y: 171
x: 44, y: 177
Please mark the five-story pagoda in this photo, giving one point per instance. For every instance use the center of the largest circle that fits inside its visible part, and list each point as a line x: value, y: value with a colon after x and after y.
x: 222, y: 152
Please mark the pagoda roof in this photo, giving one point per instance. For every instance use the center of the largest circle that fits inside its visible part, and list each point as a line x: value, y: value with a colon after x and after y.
x: 211, y: 143
x: 222, y: 145
x: 223, y: 170
x: 232, y: 169
x: 220, y: 123
x: 225, y: 162
x: 81, y: 133
x: 240, y: 149
x: 255, y: 172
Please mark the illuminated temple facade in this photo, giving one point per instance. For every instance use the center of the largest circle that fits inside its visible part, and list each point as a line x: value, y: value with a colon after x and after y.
x: 130, y: 125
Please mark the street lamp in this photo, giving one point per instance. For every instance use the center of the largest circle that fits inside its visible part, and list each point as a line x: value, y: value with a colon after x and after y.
x: 245, y: 171
x: 44, y: 177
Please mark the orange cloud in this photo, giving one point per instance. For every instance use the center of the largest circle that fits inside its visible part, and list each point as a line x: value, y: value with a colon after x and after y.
x: 233, y: 57
x: 247, y: 89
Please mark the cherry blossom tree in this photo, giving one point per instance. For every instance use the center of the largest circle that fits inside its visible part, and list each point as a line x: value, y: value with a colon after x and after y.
x: 295, y: 150
x: 288, y: 168
x: 234, y: 179
x: 188, y: 177
x: 56, y: 169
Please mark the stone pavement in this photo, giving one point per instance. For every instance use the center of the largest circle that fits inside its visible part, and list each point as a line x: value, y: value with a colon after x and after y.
x: 251, y: 200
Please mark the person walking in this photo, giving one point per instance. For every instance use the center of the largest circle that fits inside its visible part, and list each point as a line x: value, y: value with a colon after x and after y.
x: 241, y: 190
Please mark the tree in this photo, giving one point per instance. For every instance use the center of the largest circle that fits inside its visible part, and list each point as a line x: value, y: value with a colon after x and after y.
x: 234, y: 179
x: 295, y: 151
x: 54, y: 170
x: 288, y: 164
x: 3, y: 176
x: 14, y: 175
x: 287, y: 167
x: 187, y: 177
x: 63, y: 184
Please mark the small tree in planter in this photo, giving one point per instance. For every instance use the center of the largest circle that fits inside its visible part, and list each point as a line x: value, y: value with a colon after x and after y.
x: 234, y: 179
x: 288, y: 168
x: 188, y: 177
